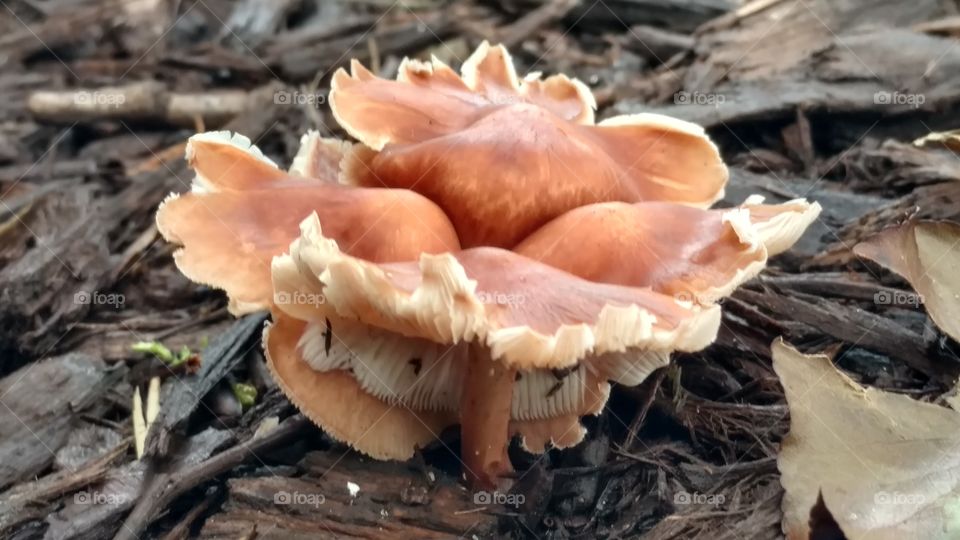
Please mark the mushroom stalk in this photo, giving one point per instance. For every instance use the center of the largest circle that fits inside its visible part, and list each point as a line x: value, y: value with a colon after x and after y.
x: 485, y: 419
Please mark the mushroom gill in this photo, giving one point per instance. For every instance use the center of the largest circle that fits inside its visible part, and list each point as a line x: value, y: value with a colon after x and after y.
x: 486, y: 255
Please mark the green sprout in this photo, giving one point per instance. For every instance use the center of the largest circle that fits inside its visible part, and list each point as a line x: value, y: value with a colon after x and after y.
x: 246, y: 394
x: 165, y: 355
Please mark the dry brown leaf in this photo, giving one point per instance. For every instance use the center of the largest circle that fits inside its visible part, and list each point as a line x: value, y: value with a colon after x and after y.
x: 926, y: 254
x: 888, y: 467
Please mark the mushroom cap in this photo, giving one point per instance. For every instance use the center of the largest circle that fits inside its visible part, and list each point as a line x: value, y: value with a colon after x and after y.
x: 320, y: 157
x: 503, y: 156
x: 530, y: 315
x: 779, y: 226
x: 431, y: 99
x: 243, y: 210
x: 692, y: 254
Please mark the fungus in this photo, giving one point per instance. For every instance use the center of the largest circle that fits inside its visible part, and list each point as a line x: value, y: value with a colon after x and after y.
x: 486, y: 255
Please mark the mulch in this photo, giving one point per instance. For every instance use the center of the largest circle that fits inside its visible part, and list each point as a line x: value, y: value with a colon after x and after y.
x: 806, y: 98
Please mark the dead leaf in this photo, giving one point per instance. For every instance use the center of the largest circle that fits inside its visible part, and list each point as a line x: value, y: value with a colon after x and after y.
x: 925, y: 253
x: 887, y: 466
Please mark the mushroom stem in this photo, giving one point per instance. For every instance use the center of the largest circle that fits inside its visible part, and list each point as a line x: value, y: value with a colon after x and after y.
x: 485, y: 419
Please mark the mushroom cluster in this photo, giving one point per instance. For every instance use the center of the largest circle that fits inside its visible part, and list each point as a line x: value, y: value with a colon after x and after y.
x: 485, y: 254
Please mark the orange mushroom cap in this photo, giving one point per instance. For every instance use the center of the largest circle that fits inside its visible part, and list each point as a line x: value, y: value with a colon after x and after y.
x: 502, y: 156
x: 529, y: 314
x: 243, y: 210
x: 485, y: 255
x: 693, y: 254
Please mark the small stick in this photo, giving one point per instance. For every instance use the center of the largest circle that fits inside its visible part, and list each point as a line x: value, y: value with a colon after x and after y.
x: 168, y: 486
x: 140, y: 101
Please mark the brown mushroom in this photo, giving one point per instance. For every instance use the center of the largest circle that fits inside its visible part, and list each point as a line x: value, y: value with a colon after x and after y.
x: 486, y: 255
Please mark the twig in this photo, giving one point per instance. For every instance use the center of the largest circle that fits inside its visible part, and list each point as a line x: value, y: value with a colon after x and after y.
x: 141, y: 101
x: 644, y: 409
x: 166, y: 487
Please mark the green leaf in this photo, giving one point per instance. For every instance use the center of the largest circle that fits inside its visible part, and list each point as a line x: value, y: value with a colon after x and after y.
x: 155, y: 348
x: 165, y: 355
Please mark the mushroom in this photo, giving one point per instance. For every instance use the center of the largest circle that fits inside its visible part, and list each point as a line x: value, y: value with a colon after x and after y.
x: 486, y: 255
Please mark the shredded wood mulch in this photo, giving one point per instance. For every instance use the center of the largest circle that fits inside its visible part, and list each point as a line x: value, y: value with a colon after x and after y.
x: 806, y: 98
